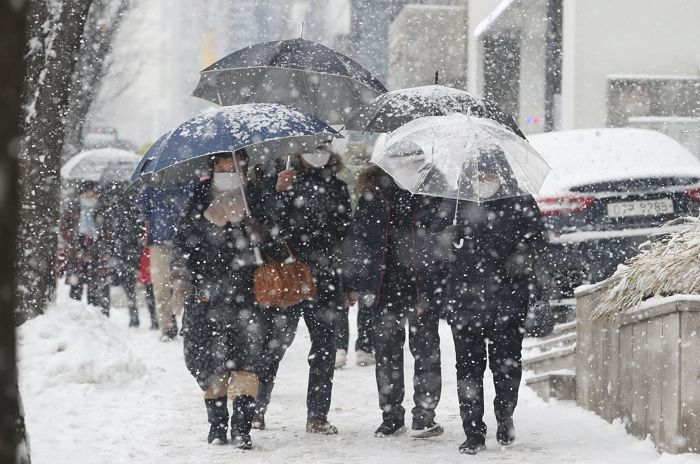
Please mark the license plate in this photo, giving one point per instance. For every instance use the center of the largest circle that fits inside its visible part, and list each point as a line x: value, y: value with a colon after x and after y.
x: 640, y: 208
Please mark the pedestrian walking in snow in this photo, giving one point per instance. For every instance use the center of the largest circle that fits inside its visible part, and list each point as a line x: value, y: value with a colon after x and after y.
x: 86, y: 237
x: 386, y: 253
x: 489, y: 257
x: 126, y: 230
x: 215, y: 243
x: 311, y: 209
x: 162, y: 210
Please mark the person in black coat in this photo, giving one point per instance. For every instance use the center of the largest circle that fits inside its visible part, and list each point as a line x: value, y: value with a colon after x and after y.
x: 310, y: 208
x: 215, y: 242
x: 127, y: 228
x: 386, y: 252
x: 489, y: 257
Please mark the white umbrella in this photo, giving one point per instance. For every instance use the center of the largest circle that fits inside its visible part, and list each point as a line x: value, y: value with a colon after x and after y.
x: 100, y: 165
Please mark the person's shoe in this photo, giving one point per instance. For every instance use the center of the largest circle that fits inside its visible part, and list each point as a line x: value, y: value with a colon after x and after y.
x: 363, y: 358
x: 390, y: 429
x: 320, y: 426
x: 134, y: 322
x: 169, y: 331
x: 505, y: 434
x: 341, y: 358
x: 241, y: 441
x: 431, y: 429
x: 217, y: 413
x: 472, y: 445
x: 258, y: 421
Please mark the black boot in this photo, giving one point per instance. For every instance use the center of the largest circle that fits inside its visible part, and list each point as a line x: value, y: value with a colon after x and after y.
x: 505, y: 434
x: 390, y: 428
x: 473, y: 444
x: 217, y: 412
x: 241, y: 421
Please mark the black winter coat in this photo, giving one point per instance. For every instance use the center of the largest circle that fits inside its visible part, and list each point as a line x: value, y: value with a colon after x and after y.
x: 219, y: 333
x: 386, y: 246
x: 313, y: 218
x: 489, y: 257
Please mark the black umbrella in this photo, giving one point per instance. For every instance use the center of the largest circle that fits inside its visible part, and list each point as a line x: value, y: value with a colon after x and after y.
x: 299, y: 73
x: 392, y: 110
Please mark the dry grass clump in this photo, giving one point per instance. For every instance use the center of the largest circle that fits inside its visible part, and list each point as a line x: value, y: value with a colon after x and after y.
x: 669, y: 265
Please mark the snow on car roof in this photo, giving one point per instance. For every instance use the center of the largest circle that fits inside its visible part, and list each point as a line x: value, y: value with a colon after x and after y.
x: 586, y: 156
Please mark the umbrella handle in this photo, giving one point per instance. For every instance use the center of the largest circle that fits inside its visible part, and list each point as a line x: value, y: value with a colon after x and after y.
x: 289, y: 163
x: 256, y: 251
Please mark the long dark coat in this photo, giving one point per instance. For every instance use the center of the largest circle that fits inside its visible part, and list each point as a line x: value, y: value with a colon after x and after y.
x: 220, y: 334
x: 489, y: 257
x: 313, y: 218
x: 386, y: 244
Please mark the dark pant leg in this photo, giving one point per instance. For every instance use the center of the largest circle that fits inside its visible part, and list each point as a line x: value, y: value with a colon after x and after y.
x: 505, y: 352
x: 280, y: 328
x: 130, y: 290
x: 320, y: 317
x: 98, y: 293
x: 151, y: 303
x: 389, y: 337
x: 424, y: 342
x: 364, y: 328
x: 342, y: 330
x: 76, y: 292
x: 470, y: 351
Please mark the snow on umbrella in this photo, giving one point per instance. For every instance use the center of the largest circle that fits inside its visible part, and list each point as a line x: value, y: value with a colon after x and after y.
x: 444, y: 156
x: 103, y: 165
x: 303, y: 74
x: 266, y: 131
x: 392, y: 110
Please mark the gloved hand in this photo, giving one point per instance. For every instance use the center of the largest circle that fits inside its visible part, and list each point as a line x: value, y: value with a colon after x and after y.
x: 368, y: 299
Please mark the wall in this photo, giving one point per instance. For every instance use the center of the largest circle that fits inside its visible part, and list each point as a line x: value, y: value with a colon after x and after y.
x: 424, y: 39
x: 603, y: 37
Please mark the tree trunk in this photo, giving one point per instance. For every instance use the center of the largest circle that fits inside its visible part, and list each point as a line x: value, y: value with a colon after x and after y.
x: 91, y: 66
x: 47, y: 101
x: 12, y: 33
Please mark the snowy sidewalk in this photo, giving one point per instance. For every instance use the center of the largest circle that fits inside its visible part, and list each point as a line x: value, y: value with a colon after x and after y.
x: 97, y: 392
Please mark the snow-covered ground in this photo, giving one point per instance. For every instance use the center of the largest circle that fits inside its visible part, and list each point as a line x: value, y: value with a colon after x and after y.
x: 98, y: 392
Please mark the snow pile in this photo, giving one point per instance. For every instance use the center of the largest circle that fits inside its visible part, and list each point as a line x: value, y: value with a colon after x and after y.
x: 75, y: 344
x: 665, y: 267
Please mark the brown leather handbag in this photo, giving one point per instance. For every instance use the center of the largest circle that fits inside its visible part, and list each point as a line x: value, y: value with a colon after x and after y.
x: 283, y: 284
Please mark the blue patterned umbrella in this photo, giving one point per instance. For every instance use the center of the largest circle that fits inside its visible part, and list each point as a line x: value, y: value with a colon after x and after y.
x: 266, y: 131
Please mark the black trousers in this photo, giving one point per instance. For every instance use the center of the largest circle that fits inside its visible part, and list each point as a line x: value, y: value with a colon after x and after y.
x: 424, y: 343
x: 500, y: 342
x: 320, y: 317
x: 364, y: 329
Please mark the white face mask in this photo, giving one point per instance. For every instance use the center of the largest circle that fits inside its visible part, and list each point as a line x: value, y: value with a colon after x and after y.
x: 317, y: 158
x: 487, y: 188
x: 226, y: 181
x: 88, y: 202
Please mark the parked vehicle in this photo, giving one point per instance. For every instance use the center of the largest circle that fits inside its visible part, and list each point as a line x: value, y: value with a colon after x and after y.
x: 609, y: 191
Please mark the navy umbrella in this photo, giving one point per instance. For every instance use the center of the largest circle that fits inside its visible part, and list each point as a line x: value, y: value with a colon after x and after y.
x: 303, y: 74
x: 392, y: 110
x: 266, y: 131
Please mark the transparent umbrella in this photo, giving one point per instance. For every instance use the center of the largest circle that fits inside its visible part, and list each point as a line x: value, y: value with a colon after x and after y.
x: 448, y: 157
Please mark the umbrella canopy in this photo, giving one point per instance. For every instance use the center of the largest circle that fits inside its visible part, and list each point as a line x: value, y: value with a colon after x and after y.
x: 103, y: 165
x: 444, y: 156
x: 266, y: 131
x: 303, y: 74
x: 392, y: 110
